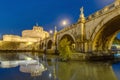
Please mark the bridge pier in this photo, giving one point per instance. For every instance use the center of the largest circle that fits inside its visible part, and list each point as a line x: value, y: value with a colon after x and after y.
x: 79, y: 47
x: 86, y: 47
x: 82, y: 47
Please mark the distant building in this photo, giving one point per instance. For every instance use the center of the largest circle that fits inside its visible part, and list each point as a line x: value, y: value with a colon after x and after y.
x: 115, y: 47
x: 36, y: 32
x: 35, y: 35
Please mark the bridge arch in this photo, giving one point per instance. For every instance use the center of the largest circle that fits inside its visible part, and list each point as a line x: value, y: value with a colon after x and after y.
x: 70, y: 38
x: 108, y: 18
x: 49, y: 44
x: 106, y: 32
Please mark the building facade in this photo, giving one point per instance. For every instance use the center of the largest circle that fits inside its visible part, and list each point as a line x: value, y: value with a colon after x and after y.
x: 35, y: 35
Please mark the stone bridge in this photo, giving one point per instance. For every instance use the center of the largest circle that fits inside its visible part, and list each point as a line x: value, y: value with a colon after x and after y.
x: 94, y: 33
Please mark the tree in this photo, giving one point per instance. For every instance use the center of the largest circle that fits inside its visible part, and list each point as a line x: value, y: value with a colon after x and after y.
x: 116, y: 41
x: 64, y: 49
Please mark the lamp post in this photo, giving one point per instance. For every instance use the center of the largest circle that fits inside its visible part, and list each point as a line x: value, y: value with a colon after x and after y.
x: 55, y: 40
x: 45, y: 44
x: 51, y: 32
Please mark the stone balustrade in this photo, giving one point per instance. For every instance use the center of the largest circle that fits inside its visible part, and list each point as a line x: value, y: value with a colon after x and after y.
x: 67, y: 28
x: 103, y: 11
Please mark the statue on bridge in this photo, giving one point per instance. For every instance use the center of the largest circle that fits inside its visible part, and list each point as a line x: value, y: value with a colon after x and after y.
x: 82, y: 10
x: 82, y: 17
x: 117, y: 2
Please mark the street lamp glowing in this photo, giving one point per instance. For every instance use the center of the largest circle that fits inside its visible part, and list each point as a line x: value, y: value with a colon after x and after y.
x: 51, y: 31
x: 64, y: 22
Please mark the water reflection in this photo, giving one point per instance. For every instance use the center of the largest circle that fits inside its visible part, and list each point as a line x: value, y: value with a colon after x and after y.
x: 116, y: 69
x: 33, y: 69
x: 86, y: 71
x: 63, y: 70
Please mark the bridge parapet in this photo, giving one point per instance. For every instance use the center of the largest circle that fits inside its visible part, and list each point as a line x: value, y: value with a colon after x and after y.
x: 67, y: 28
x: 106, y: 9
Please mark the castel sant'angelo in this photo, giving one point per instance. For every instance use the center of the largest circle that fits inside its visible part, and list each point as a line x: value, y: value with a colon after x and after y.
x: 30, y: 39
x: 35, y: 35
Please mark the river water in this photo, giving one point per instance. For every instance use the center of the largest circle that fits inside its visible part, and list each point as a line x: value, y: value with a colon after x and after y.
x: 74, y: 70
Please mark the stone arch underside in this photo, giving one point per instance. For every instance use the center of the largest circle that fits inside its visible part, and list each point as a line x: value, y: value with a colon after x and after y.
x: 69, y: 37
x: 105, y: 36
x: 49, y: 44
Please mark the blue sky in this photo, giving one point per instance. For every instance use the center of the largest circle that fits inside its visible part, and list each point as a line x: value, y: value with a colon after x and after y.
x: 18, y: 15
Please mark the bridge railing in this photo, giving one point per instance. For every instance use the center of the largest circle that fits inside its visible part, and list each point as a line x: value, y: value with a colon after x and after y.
x: 70, y: 27
x: 104, y: 10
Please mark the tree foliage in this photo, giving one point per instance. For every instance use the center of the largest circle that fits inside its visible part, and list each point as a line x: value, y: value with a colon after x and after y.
x: 64, y: 49
x: 116, y: 41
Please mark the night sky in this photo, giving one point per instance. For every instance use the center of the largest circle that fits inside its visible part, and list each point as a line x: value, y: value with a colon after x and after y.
x: 18, y: 15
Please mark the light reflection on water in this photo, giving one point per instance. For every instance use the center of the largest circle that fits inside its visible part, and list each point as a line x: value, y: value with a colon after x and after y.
x: 66, y: 70
x: 116, y: 69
